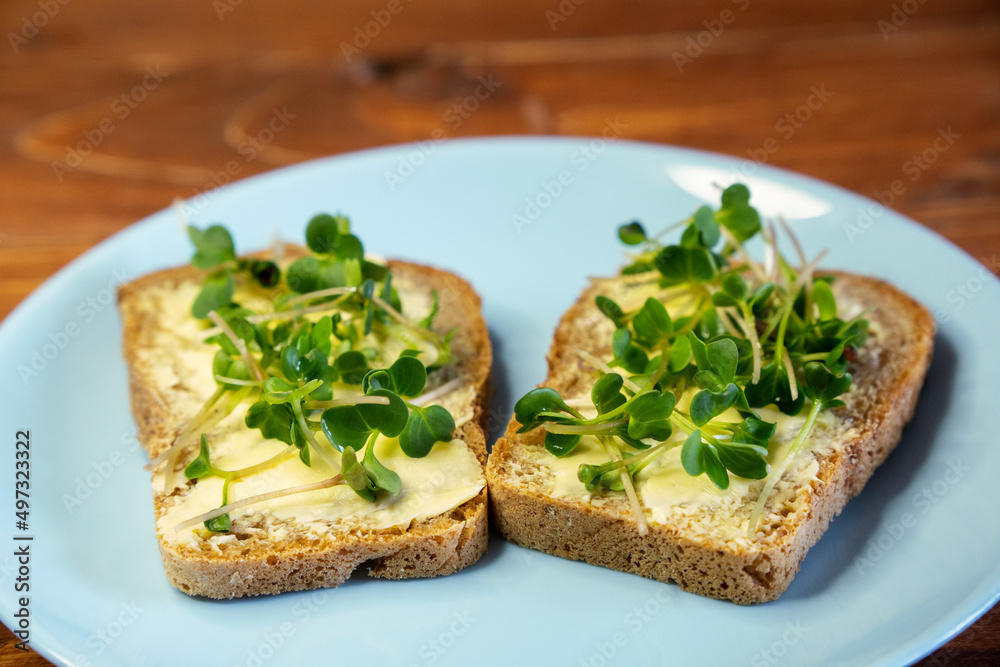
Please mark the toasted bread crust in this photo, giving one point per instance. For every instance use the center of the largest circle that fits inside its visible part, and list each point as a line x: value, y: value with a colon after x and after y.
x: 887, y: 381
x: 438, y: 546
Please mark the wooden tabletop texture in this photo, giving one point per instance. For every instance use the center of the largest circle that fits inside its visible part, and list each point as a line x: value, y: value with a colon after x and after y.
x: 111, y: 109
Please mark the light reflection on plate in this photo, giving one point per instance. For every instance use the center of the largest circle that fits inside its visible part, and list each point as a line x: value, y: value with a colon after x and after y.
x: 770, y: 197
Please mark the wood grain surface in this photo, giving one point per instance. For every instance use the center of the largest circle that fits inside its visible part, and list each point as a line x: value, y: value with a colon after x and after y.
x: 110, y: 109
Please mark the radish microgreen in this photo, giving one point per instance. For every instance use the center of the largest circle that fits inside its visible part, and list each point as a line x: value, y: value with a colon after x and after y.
x: 215, y: 252
x: 728, y: 334
x: 330, y: 368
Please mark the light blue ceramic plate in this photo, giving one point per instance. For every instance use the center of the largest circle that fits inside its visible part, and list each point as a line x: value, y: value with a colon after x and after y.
x: 909, y: 563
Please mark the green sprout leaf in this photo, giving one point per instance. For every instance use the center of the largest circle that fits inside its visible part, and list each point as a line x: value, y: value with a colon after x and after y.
x: 355, y: 475
x: 349, y: 247
x: 216, y: 293
x: 760, y: 297
x: 649, y: 414
x: 213, y: 246
x: 773, y: 387
x: 606, y: 393
x: 322, y: 234
x: 632, y: 233
x: 610, y: 308
x: 734, y: 291
x: 530, y: 410
x: 561, y: 444
x: 219, y: 524
x: 743, y: 460
x: 723, y: 356
x: 303, y: 275
x: 380, y: 476
x: 652, y: 323
x: 264, y: 273
x: 200, y: 466
x: 699, y: 457
x: 678, y: 264
x: 707, y: 405
x: 628, y: 355
x: 408, y: 376
x: 704, y: 222
x: 823, y: 298
x: 352, y: 366
x: 822, y: 385
x: 352, y: 425
x: 736, y: 214
x: 424, y: 427
x: 753, y: 431
x: 680, y: 354
x: 274, y: 421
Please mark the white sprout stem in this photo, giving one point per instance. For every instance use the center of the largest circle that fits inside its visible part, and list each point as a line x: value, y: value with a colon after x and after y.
x: 779, y: 472
x: 349, y: 400
x: 754, y: 266
x: 750, y: 327
x: 553, y: 427
x: 277, y: 247
x: 601, y: 366
x: 204, y: 414
x: 793, y: 239
x: 213, y: 417
x: 770, y: 252
x: 278, y: 315
x: 236, y: 381
x: 307, y: 432
x: 806, y: 273
x: 633, y: 498
x: 668, y: 294
x: 805, y: 280
x: 319, y: 294
x: 248, y: 360
x: 169, y: 476
x: 292, y: 314
x: 253, y: 500
x: 178, y: 207
x: 434, y: 394
x: 803, y: 263
x: 727, y: 323
x: 633, y: 281
x: 579, y: 403
x: 402, y: 319
x: 793, y: 385
x: 263, y: 465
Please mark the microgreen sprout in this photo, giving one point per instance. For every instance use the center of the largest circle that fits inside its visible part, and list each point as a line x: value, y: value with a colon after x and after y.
x: 335, y: 343
x: 726, y: 333
x: 215, y: 252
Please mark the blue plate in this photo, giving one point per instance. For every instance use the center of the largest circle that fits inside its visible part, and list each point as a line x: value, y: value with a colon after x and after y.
x: 911, y: 562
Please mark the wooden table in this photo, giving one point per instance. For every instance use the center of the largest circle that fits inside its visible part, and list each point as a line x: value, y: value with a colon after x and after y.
x: 110, y: 109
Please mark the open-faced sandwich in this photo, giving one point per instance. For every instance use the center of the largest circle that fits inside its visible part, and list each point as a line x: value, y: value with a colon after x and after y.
x: 706, y: 414
x: 308, y: 411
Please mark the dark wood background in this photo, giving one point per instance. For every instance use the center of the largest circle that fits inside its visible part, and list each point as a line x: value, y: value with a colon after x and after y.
x: 110, y: 109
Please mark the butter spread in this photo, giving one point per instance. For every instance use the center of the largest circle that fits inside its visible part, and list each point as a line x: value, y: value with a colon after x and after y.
x: 447, y: 477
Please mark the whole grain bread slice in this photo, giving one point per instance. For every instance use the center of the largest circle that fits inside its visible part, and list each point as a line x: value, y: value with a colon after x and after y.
x: 266, y: 555
x: 707, y: 551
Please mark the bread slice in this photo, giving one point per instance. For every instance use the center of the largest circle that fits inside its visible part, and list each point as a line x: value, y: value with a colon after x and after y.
x: 267, y: 553
x: 703, y: 545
